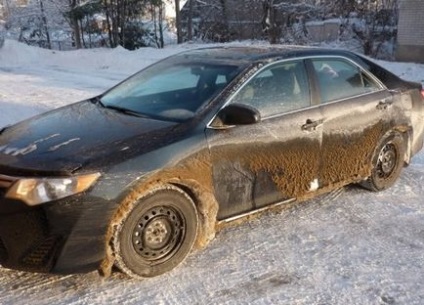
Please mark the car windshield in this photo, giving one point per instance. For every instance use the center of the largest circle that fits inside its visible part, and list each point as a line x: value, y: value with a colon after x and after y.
x: 170, y: 90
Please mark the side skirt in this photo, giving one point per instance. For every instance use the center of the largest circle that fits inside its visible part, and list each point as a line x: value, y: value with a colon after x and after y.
x: 234, y: 220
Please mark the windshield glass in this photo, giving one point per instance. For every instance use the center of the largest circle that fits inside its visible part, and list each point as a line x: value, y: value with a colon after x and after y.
x: 170, y: 90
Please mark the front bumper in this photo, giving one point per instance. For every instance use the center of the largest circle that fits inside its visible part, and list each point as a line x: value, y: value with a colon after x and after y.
x: 26, y: 243
x: 65, y: 236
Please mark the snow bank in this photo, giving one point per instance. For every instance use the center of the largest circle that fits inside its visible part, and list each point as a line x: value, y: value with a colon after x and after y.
x: 34, y: 80
x: 16, y: 54
x: 409, y: 71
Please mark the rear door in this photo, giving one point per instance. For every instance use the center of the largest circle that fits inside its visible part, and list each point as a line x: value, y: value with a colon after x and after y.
x: 275, y: 159
x: 357, y: 111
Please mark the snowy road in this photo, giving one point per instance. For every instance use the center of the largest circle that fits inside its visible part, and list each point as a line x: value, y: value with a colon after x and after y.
x: 348, y: 247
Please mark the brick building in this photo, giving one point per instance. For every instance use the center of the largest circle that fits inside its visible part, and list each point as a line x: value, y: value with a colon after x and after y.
x: 410, y: 38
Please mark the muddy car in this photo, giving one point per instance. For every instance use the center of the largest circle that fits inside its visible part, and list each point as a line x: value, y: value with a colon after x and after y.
x: 142, y: 174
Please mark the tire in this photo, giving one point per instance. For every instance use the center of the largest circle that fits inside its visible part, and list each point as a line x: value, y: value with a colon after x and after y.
x: 387, y: 163
x: 157, y: 234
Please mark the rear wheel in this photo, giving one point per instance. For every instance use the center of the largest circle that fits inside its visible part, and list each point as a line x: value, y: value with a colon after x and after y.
x: 157, y: 234
x: 388, y: 161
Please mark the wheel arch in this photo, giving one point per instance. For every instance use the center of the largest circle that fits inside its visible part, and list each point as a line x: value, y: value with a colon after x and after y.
x: 207, y: 208
x: 407, y: 134
x: 204, y: 201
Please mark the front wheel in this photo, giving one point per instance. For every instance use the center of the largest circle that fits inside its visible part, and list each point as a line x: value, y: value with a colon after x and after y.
x: 157, y: 234
x: 387, y: 162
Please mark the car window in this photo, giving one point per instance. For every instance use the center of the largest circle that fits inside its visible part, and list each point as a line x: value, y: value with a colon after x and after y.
x: 175, y: 78
x: 169, y: 90
x: 389, y: 79
x: 276, y: 89
x: 340, y: 79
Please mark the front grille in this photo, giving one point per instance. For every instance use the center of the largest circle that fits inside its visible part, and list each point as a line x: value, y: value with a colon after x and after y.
x: 26, y: 243
x: 41, y: 256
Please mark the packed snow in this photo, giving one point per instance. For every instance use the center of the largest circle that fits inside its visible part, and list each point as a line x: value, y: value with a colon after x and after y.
x: 348, y: 247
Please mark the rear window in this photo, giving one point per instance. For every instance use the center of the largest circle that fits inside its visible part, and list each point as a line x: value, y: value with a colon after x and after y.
x: 390, y: 80
x: 341, y: 79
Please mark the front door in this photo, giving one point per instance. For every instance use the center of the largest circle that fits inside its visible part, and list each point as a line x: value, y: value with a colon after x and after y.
x: 275, y: 159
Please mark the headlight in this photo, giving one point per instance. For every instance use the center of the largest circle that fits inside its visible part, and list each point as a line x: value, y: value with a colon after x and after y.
x: 34, y: 191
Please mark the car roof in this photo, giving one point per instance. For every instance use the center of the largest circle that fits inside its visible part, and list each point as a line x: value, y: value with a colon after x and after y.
x: 246, y: 54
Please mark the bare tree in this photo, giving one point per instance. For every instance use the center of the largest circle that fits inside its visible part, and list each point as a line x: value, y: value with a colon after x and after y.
x: 224, y: 16
x: 379, y: 19
x: 178, y: 21
x: 156, y: 11
x: 120, y: 18
x: 190, y: 20
x: 44, y: 20
x: 268, y: 21
x: 75, y: 24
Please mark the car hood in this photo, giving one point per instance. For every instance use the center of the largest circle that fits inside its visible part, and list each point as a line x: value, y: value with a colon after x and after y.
x: 82, y: 135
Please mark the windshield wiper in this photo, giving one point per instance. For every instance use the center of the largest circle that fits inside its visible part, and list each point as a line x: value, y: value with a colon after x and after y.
x: 119, y: 108
x: 124, y: 110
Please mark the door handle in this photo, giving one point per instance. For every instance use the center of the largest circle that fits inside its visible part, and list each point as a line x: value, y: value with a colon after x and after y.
x: 384, y: 104
x: 311, y: 125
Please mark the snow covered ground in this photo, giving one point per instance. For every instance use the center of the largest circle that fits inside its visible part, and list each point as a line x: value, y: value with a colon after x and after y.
x: 348, y: 247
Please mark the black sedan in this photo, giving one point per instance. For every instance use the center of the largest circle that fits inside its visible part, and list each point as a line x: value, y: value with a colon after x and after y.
x: 141, y: 174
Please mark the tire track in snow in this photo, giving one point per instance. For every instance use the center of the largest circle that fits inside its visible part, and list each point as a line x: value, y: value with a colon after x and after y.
x: 28, y: 284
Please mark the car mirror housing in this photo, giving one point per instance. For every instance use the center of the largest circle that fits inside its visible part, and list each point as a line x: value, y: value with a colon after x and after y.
x: 239, y: 114
x: 4, y: 128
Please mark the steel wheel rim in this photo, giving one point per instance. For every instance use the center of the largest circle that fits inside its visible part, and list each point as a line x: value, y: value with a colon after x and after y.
x: 387, y: 160
x: 158, y: 233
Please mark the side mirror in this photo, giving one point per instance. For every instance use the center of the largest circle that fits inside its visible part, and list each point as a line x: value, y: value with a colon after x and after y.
x: 4, y: 128
x: 239, y: 114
